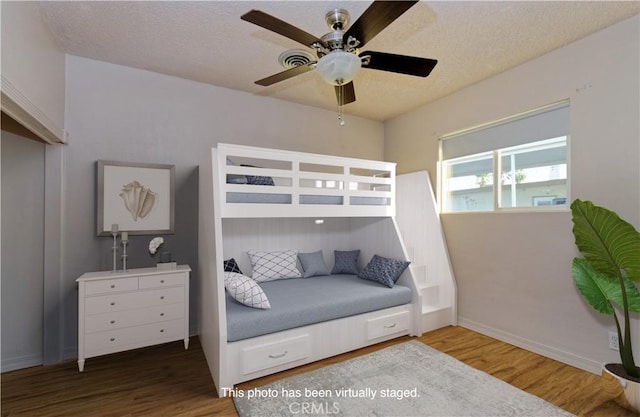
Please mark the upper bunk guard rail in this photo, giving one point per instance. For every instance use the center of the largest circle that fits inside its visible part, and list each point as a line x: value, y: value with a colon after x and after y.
x: 261, y: 182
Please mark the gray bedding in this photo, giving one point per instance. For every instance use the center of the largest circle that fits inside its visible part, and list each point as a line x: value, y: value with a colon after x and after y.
x: 303, y: 301
x: 264, y: 198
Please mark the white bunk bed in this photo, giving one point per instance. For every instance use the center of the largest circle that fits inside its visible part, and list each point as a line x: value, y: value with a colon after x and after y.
x: 307, y: 202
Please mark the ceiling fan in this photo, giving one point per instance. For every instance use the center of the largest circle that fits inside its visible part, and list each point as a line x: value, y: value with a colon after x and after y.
x: 339, y: 57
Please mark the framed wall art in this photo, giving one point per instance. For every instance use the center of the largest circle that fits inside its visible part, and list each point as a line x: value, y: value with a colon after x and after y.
x: 137, y: 197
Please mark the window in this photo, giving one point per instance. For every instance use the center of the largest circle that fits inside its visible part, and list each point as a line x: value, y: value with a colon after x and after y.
x: 517, y: 162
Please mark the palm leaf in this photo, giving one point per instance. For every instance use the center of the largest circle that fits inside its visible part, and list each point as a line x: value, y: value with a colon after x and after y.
x: 608, y: 242
x: 600, y: 290
x: 593, y: 286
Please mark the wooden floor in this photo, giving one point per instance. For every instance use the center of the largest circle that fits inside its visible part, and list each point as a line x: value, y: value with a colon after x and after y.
x: 169, y: 381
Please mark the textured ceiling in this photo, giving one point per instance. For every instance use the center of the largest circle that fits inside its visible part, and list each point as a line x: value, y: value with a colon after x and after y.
x: 207, y: 42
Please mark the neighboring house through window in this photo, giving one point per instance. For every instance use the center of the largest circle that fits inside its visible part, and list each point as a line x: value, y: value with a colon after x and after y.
x: 513, y: 163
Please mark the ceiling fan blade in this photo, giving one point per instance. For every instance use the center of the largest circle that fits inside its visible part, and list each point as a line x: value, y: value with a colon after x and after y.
x: 345, y: 94
x: 286, y: 74
x: 402, y: 64
x: 377, y: 17
x: 281, y: 27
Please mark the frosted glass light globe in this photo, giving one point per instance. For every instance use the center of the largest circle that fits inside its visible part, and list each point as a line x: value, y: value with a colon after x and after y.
x: 338, y: 67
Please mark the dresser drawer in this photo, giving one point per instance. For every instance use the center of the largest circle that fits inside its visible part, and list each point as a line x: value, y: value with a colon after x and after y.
x: 127, y: 318
x: 133, y: 337
x: 257, y: 358
x: 111, y: 285
x: 133, y: 300
x: 387, y: 325
x: 164, y: 280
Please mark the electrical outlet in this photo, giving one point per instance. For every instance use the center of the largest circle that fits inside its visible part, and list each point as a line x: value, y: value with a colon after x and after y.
x: 613, y: 341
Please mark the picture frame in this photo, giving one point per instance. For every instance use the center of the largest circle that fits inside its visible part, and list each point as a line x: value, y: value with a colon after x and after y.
x: 137, y: 197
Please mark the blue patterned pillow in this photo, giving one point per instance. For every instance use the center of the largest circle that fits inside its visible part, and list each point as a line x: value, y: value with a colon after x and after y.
x: 258, y: 179
x: 383, y: 270
x: 231, y: 266
x: 346, y: 262
x: 313, y: 264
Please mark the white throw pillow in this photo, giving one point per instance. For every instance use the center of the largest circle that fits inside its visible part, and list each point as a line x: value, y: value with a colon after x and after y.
x: 270, y: 266
x: 245, y: 290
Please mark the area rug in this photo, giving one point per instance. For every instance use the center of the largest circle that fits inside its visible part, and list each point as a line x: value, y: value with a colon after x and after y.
x: 407, y: 379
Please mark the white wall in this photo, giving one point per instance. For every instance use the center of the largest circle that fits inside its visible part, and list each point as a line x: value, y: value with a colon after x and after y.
x: 33, y: 66
x: 513, y: 270
x: 22, y: 251
x: 125, y: 114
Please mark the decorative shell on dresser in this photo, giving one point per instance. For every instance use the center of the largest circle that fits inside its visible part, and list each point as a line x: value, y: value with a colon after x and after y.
x: 138, y: 199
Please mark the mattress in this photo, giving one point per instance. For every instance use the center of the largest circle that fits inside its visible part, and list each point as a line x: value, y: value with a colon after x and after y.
x: 265, y: 198
x: 303, y: 301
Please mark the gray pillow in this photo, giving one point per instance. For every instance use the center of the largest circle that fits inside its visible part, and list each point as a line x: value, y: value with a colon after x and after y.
x: 346, y: 262
x: 258, y: 179
x: 236, y: 179
x: 313, y: 264
x: 383, y: 270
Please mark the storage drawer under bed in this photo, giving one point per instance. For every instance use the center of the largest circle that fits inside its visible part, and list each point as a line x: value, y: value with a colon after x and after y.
x: 268, y: 355
x: 387, y: 325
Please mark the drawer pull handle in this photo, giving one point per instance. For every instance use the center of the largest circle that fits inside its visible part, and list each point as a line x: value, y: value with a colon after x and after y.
x: 161, y: 281
x: 282, y: 355
x: 113, y: 303
x: 161, y: 330
x: 162, y: 297
x: 161, y: 314
x: 113, y: 285
x: 390, y: 326
x: 112, y: 339
x: 112, y: 321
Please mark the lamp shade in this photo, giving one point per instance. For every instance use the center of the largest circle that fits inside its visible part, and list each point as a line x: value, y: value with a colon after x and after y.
x: 338, y: 67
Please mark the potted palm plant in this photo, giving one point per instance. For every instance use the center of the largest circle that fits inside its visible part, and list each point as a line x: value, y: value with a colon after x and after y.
x: 606, y: 277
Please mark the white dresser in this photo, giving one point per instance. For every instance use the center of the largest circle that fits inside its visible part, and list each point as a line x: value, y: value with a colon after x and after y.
x: 127, y: 310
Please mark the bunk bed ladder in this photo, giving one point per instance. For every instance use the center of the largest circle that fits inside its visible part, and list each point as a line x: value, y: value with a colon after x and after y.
x: 419, y: 223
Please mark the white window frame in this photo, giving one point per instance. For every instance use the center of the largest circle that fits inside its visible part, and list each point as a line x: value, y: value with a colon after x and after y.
x: 497, y: 168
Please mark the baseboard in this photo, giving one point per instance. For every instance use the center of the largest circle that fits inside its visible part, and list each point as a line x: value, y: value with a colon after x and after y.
x: 21, y: 362
x: 533, y: 346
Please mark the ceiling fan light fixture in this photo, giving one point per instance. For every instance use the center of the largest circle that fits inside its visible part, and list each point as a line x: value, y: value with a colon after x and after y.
x: 338, y: 67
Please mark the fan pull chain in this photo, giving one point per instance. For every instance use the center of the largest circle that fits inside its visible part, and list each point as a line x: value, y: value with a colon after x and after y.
x: 341, y: 105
